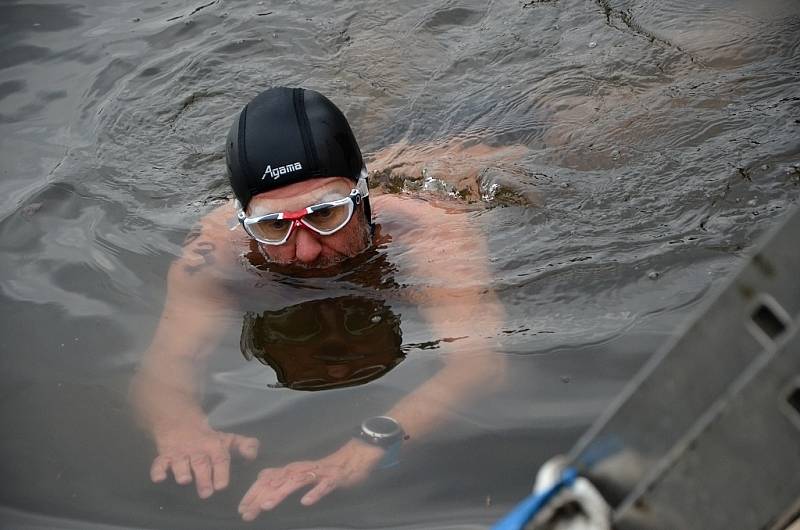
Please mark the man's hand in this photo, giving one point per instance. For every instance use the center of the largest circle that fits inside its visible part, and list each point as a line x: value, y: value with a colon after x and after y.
x: 346, y: 467
x: 200, y: 451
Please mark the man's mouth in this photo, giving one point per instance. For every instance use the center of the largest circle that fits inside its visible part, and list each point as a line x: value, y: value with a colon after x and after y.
x: 339, y: 358
x: 322, y: 262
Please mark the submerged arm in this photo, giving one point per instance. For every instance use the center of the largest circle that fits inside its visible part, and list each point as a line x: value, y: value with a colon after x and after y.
x: 165, y: 392
x: 450, y: 257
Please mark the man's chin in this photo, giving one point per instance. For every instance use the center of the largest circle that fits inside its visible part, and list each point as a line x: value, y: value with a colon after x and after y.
x: 328, y: 266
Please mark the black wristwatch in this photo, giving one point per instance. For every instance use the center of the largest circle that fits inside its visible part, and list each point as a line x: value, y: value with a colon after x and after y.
x: 381, y: 431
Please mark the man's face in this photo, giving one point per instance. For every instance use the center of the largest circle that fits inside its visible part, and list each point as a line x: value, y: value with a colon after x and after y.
x: 305, y: 247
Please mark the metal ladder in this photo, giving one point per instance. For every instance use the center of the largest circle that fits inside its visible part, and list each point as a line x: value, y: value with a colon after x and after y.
x: 707, y: 435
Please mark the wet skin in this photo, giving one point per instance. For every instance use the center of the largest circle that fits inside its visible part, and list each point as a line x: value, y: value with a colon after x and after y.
x: 442, y: 248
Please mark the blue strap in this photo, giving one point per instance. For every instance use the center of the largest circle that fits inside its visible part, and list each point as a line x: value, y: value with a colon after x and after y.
x: 528, y: 508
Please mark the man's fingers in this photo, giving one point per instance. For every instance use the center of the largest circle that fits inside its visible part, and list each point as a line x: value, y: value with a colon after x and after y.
x: 324, y: 487
x: 277, y: 495
x: 158, y: 471
x: 255, y: 490
x: 246, y: 446
x: 201, y: 467
x: 221, y: 464
x: 271, y: 488
x: 181, y: 470
x: 249, y: 507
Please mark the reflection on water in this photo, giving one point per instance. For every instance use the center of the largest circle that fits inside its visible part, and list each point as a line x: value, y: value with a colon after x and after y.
x: 637, y: 137
x: 325, y: 344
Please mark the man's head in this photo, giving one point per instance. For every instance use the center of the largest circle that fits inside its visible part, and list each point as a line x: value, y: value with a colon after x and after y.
x: 325, y: 343
x: 291, y: 149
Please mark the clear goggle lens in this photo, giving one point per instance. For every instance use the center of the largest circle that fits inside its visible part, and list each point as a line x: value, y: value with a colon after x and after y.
x: 324, y: 219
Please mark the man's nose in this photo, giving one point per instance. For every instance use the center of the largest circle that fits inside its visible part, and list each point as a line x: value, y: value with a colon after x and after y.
x: 307, y: 246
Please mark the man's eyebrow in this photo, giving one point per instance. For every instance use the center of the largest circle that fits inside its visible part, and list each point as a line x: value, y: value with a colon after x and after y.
x: 324, y: 194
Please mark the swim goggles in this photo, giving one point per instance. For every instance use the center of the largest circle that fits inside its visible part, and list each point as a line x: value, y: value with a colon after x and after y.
x: 325, y: 218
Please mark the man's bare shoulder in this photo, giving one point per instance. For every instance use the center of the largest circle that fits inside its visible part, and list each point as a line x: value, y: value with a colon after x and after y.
x: 392, y: 204
x: 400, y: 215
x: 416, y: 210
x: 219, y: 221
x: 456, y: 161
x: 422, y: 225
x: 211, y: 242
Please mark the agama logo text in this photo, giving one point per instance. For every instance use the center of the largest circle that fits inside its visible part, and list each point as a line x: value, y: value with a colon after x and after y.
x: 281, y: 170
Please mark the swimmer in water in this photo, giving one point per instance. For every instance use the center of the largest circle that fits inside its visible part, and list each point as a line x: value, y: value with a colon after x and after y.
x: 303, y: 203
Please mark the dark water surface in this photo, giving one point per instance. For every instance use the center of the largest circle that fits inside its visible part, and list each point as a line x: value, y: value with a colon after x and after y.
x: 661, y: 139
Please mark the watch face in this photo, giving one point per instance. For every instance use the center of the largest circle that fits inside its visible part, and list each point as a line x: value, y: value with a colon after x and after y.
x: 381, y: 427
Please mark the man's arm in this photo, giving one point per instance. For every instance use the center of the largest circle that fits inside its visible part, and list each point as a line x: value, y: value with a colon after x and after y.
x: 448, y: 255
x: 165, y: 391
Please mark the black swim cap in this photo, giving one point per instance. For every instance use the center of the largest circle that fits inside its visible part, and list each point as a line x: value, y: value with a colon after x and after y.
x: 286, y: 135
